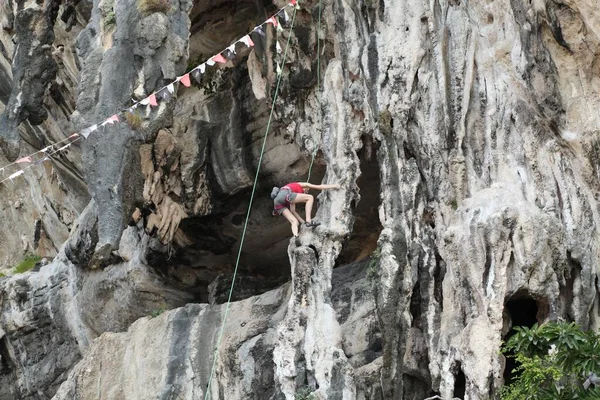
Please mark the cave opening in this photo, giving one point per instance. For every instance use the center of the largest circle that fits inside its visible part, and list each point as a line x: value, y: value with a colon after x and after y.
x: 6, y: 366
x: 201, y: 258
x: 520, y: 310
x: 362, y: 242
x: 460, y: 382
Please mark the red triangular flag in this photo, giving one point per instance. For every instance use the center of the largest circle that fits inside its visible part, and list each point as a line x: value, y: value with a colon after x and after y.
x: 115, y: 118
x: 293, y: 2
x: 24, y: 159
x: 152, y: 100
x: 273, y: 21
x: 219, y: 58
x: 185, y: 80
x: 73, y: 135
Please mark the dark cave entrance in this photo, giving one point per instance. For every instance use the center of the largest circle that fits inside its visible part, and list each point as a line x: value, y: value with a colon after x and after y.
x: 6, y: 366
x: 520, y: 310
x: 367, y: 227
x: 460, y: 382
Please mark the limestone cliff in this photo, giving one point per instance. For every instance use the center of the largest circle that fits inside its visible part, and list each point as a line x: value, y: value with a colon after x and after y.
x: 464, y: 138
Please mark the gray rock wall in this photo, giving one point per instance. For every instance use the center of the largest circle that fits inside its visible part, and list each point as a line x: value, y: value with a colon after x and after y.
x: 481, y: 117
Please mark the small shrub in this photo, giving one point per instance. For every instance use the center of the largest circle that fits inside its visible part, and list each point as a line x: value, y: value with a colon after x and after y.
x: 28, y: 263
x: 557, y: 361
x: 454, y: 204
x: 386, y: 123
x: 148, y: 7
x: 156, y: 312
x: 304, y: 394
x: 134, y: 120
x: 109, y: 20
x: 373, y: 268
x: 2, y: 275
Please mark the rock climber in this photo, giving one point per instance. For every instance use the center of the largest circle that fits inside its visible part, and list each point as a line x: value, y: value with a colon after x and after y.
x: 286, y: 198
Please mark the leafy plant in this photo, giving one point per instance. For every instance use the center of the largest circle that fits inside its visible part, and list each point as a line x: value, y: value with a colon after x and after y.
x: 109, y: 20
x: 373, y: 268
x: 148, y: 7
x: 556, y: 361
x: 156, y: 312
x: 454, y: 204
x: 27, y: 263
x: 134, y: 120
x: 385, y: 122
x: 304, y: 394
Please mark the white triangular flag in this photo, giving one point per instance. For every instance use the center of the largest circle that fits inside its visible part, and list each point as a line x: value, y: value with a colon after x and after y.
x: 278, y: 70
x: 203, y: 67
x: 86, y: 132
x: 45, y: 149
x: 278, y: 47
x: 247, y: 41
x: 145, y: 102
x: 171, y: 88
x: 232, y: 48
x: 210, y: 62
x: 13, y: 176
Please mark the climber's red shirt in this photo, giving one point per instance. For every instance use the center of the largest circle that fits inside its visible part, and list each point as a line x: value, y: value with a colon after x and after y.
x: 295, y: 187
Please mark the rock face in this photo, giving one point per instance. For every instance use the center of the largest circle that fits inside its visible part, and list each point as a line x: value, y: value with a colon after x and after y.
x: 167, y: 356
x: 463, y: 136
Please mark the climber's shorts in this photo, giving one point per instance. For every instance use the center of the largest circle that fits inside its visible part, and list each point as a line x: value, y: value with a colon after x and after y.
x: 283, y: 200
x: 291, y: 196
x: 279, y: 211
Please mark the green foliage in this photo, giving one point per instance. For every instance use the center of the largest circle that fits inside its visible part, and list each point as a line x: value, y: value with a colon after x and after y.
x: 554, y: 361
x: 385, y: 122
x: 304, y: 394
x: 109, y: 20
x: 156, y: 312
x: 134, y: 120
x: 454, y: 204
x: 373, y: 268
x: 2, y: 275
x: 148, y: 7
x: 27, y: 263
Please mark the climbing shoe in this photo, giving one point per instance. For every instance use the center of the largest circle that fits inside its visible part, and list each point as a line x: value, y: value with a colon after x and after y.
x: 312, y: 224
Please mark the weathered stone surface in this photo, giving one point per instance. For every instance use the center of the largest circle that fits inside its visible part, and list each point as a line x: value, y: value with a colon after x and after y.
x: 50, y: 317
x: 171, y: 355
x: 480, y: 116
x: 135, y: 57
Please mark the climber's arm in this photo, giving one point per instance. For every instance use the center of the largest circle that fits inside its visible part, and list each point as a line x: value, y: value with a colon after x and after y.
x: 293, y: 210
x: 307, y: 185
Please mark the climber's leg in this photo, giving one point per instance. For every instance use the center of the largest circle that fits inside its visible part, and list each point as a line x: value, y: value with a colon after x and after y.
x: 293, y: 221
x: 309, y: 200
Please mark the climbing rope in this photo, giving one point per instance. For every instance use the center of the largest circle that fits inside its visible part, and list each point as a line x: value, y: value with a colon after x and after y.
x: 312, y: 161
x: 237, y: 262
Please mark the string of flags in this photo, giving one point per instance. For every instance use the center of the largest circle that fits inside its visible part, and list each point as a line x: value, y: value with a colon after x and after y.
x: 165, y: 93
x: 47, y: 157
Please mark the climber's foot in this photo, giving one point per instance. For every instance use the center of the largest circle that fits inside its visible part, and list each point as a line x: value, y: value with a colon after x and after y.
x: 312, y: 224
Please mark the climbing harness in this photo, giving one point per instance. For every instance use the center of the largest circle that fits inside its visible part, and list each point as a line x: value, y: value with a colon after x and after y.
x: 262, y: 151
